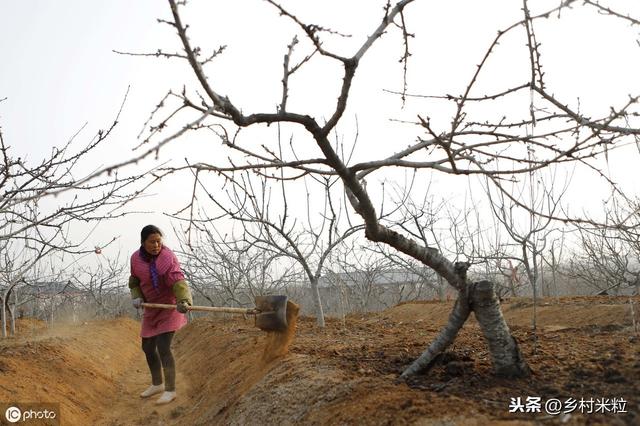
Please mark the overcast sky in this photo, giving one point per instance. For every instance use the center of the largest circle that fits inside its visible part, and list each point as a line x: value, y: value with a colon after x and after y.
x: 58, y: 70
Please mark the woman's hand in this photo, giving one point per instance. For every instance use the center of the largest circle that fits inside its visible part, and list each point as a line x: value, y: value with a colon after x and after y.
x: 137, y: 302
x: 183, y: 306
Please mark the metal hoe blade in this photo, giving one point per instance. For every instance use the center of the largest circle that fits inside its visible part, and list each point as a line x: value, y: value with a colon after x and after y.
x: 271, y: 313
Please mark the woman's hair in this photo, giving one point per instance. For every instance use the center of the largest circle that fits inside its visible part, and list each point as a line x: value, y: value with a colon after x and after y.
x: 148, y: 230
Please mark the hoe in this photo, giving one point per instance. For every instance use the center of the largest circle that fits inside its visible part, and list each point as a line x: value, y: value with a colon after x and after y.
x: 270, y: 311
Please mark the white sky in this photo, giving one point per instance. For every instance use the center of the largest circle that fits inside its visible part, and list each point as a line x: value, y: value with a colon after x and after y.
x: 58, y: 71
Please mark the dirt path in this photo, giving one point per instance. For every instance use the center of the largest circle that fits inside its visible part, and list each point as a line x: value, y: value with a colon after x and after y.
x: 127, y: 408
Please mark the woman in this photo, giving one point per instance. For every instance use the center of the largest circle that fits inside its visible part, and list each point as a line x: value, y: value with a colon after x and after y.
x: 156, y: 277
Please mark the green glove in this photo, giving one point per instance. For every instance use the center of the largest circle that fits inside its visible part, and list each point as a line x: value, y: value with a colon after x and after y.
x: 134, y: 288
x: 182, y: 292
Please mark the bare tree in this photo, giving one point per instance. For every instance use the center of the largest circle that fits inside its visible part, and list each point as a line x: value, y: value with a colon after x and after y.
x: 554, y: 262
x: 365, y: 277
x: 419, y: 282
x: 42, y: 290
x: 460, y: 233
x: 529, y: 229
x: 361, y: 275
x: 230, y: 272
x: 16, y: 259
x: 608, y: 257
x: 431, y: 223
x: 277, y: 234
x: 102, y: 286
x: 470, y: 144
x: 34, y: 224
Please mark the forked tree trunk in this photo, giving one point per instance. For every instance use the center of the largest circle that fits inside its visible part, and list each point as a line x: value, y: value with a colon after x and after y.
x: 5, y: 310
x: 478, y: 297
x: 482, y: 300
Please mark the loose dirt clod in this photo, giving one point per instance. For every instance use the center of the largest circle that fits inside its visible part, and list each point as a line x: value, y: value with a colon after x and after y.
x: 277, y: 342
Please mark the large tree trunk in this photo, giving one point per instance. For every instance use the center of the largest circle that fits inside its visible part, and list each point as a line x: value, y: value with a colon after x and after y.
x: 317, y: 302
x: 5, y: 308
x: 11, y: 310
x: 12, y: 319
x: 505, y: 353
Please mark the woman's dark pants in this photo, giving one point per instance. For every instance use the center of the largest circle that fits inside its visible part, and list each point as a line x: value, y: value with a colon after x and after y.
x: 158, y: 352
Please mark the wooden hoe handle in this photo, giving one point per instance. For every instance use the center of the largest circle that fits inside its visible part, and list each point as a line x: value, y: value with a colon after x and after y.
x: 246, y: 311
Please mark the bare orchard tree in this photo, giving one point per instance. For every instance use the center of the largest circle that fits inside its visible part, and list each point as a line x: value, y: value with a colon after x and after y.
x: 460, y: 233
x: 102, y: 287
x: 229, y: 272
x: 43, y: 291
x: 420, y: 282
x: 608, y: 258
x: 369, y: 278
x: 270, y: 224
x: 495, y: 261
x: 554, y: 261
x: 360, y: 274
x: 431, y: 223
x: 472, y: 142
x: 529, y: 228
x: 34, y: 224
x: 528, y: 231
x: 17, y: 259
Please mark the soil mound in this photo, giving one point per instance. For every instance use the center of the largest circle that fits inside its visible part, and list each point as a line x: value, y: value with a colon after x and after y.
x: 76, y: 366
x: 26, y: 326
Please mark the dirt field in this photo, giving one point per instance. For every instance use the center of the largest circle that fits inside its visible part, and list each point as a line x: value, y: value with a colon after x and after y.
x: 344, y: 374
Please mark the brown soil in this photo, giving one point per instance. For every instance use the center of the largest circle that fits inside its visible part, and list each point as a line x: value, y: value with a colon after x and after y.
x: 344, y: 374
x: 77, y: 366
x: 278, y: 342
